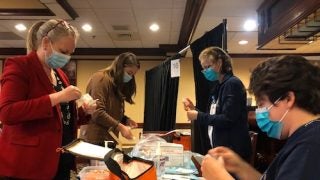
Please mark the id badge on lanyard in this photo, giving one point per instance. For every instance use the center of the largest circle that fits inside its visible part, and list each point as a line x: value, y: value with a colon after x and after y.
x: 213, y: 108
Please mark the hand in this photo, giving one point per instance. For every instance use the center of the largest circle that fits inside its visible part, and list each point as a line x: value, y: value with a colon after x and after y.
x: 232, y: 161
x: 131, y: 123
x: 234, y: 164
x: 192, y: 115
x: 213, y: 168
x: 89, y: 108
x: 69, y: 93
x: 188, y: 105
x: 125, y: 131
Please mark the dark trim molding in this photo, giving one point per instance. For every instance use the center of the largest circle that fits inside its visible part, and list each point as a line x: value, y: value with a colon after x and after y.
x: 40, y: 12
x: 192, y: 14
x: 117, y: 51
x: 98, y: 53
x: 193, y: 11
x: 148, y: 52
x: 183, y: 126
x: 277, y: 16
x: 95, y: 51
x: 170, y: 48
x: 270, y: 55
x: 26, y: 12
x: 68, y: 8
x: 275, y: 49
x: 177, y: 126
x: 12, y: 51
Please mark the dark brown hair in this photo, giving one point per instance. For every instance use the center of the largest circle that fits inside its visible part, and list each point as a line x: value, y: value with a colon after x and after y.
x: 277, y: 76
x: 116, y: 72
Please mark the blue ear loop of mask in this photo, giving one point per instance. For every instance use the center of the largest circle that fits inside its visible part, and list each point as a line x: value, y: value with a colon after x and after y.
x: 272, y: 128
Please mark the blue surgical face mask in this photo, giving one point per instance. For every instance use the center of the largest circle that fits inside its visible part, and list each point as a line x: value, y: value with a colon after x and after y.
x: 272, y: 128
x: 57, y: 59
x: 126, y: 77
x: 210, y: 74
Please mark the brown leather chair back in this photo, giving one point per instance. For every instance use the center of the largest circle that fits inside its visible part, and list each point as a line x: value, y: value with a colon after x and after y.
x: 254, y: 138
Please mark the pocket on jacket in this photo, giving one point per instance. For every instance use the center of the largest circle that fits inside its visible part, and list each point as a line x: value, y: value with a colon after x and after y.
x: 25, y: 140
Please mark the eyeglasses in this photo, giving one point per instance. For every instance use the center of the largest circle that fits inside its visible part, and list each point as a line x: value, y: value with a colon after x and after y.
x: 64, y: 23
x: 270, y: 106
x: 204, y: 68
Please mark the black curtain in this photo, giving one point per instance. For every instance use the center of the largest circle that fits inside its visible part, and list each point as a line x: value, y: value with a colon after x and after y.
x: 199, y: 133
x: 161, y: 93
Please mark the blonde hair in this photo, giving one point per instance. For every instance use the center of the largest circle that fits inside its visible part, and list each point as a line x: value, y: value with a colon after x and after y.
x: 54, y: 29
x: 213, y: 54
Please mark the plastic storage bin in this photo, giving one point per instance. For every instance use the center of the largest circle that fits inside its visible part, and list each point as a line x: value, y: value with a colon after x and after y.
x: 94, y: 173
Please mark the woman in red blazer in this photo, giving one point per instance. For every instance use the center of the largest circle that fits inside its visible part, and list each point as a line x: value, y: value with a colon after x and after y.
x: 37, y: 107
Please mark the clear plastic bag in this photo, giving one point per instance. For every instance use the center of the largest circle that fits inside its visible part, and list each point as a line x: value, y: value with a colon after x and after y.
x: 146, y: 147
x: 86, y: 98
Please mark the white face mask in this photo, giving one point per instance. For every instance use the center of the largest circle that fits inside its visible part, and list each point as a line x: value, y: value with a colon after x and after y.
x: 126, y: 77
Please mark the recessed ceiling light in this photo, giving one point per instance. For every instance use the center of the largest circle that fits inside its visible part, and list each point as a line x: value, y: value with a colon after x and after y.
x: 87, y: 27
x: 243, y: 42
x: 250, y: 25
x: 20, y: 27
x: 154, y: 27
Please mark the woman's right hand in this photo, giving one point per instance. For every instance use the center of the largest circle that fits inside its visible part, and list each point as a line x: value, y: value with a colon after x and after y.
x: 188, y: 104
x: 213, y: 168
x: 234, y: 163
x: 125, y: 131
x: 68, y: 94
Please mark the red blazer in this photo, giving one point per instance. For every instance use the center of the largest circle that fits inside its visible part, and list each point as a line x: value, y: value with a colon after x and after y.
x: 32, y: 129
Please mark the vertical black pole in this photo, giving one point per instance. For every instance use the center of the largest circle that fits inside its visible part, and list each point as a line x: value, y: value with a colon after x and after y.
x: 224, y: 36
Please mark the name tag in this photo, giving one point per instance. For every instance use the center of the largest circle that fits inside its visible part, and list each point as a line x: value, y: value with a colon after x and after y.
x: 213, y: 109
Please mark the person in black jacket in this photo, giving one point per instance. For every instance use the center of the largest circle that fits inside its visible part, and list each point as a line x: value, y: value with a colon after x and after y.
x: 226, y: 115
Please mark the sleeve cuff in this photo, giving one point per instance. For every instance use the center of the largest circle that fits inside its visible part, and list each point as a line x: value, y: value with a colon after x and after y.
x: 124, y: 119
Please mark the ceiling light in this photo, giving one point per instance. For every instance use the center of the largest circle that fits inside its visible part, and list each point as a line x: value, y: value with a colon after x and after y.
x: 250, y: 25
x: 154, y: 27
x: 243, y: 42
x: 20, y: 27
x: 87, y: 27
